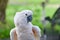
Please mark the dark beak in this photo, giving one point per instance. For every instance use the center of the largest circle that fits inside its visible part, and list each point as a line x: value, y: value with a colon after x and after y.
x: 29, y: 18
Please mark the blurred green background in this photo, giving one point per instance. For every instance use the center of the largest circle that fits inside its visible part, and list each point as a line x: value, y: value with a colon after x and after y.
x: 34, y: 5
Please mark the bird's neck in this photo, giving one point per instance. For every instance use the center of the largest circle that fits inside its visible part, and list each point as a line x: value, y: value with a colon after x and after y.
x: 25, y: 27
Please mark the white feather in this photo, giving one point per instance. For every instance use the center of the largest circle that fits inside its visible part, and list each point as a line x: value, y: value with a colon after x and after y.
x: 24, y: 29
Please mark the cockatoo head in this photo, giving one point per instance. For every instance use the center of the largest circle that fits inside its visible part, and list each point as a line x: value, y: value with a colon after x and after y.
x: 23, y: 17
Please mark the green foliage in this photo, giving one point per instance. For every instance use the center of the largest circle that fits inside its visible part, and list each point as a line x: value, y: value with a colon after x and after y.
x: 4, y: 30
x: 57, y: 29
x: 54, y: 1
x: 39, y: 1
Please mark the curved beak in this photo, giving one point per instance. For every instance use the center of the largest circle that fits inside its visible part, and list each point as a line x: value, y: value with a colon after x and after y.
x: 29, y: 18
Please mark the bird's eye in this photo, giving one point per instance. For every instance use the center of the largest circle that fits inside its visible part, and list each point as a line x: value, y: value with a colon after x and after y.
x: 26, y: 14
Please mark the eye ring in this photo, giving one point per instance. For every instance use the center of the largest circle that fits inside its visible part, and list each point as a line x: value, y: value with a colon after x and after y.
x: 26, y: 14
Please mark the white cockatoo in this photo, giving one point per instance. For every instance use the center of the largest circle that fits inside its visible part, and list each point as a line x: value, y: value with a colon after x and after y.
x: 24, y: 29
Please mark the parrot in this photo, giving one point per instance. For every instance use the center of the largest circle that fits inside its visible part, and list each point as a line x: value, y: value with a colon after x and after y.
x: 24, y: 29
